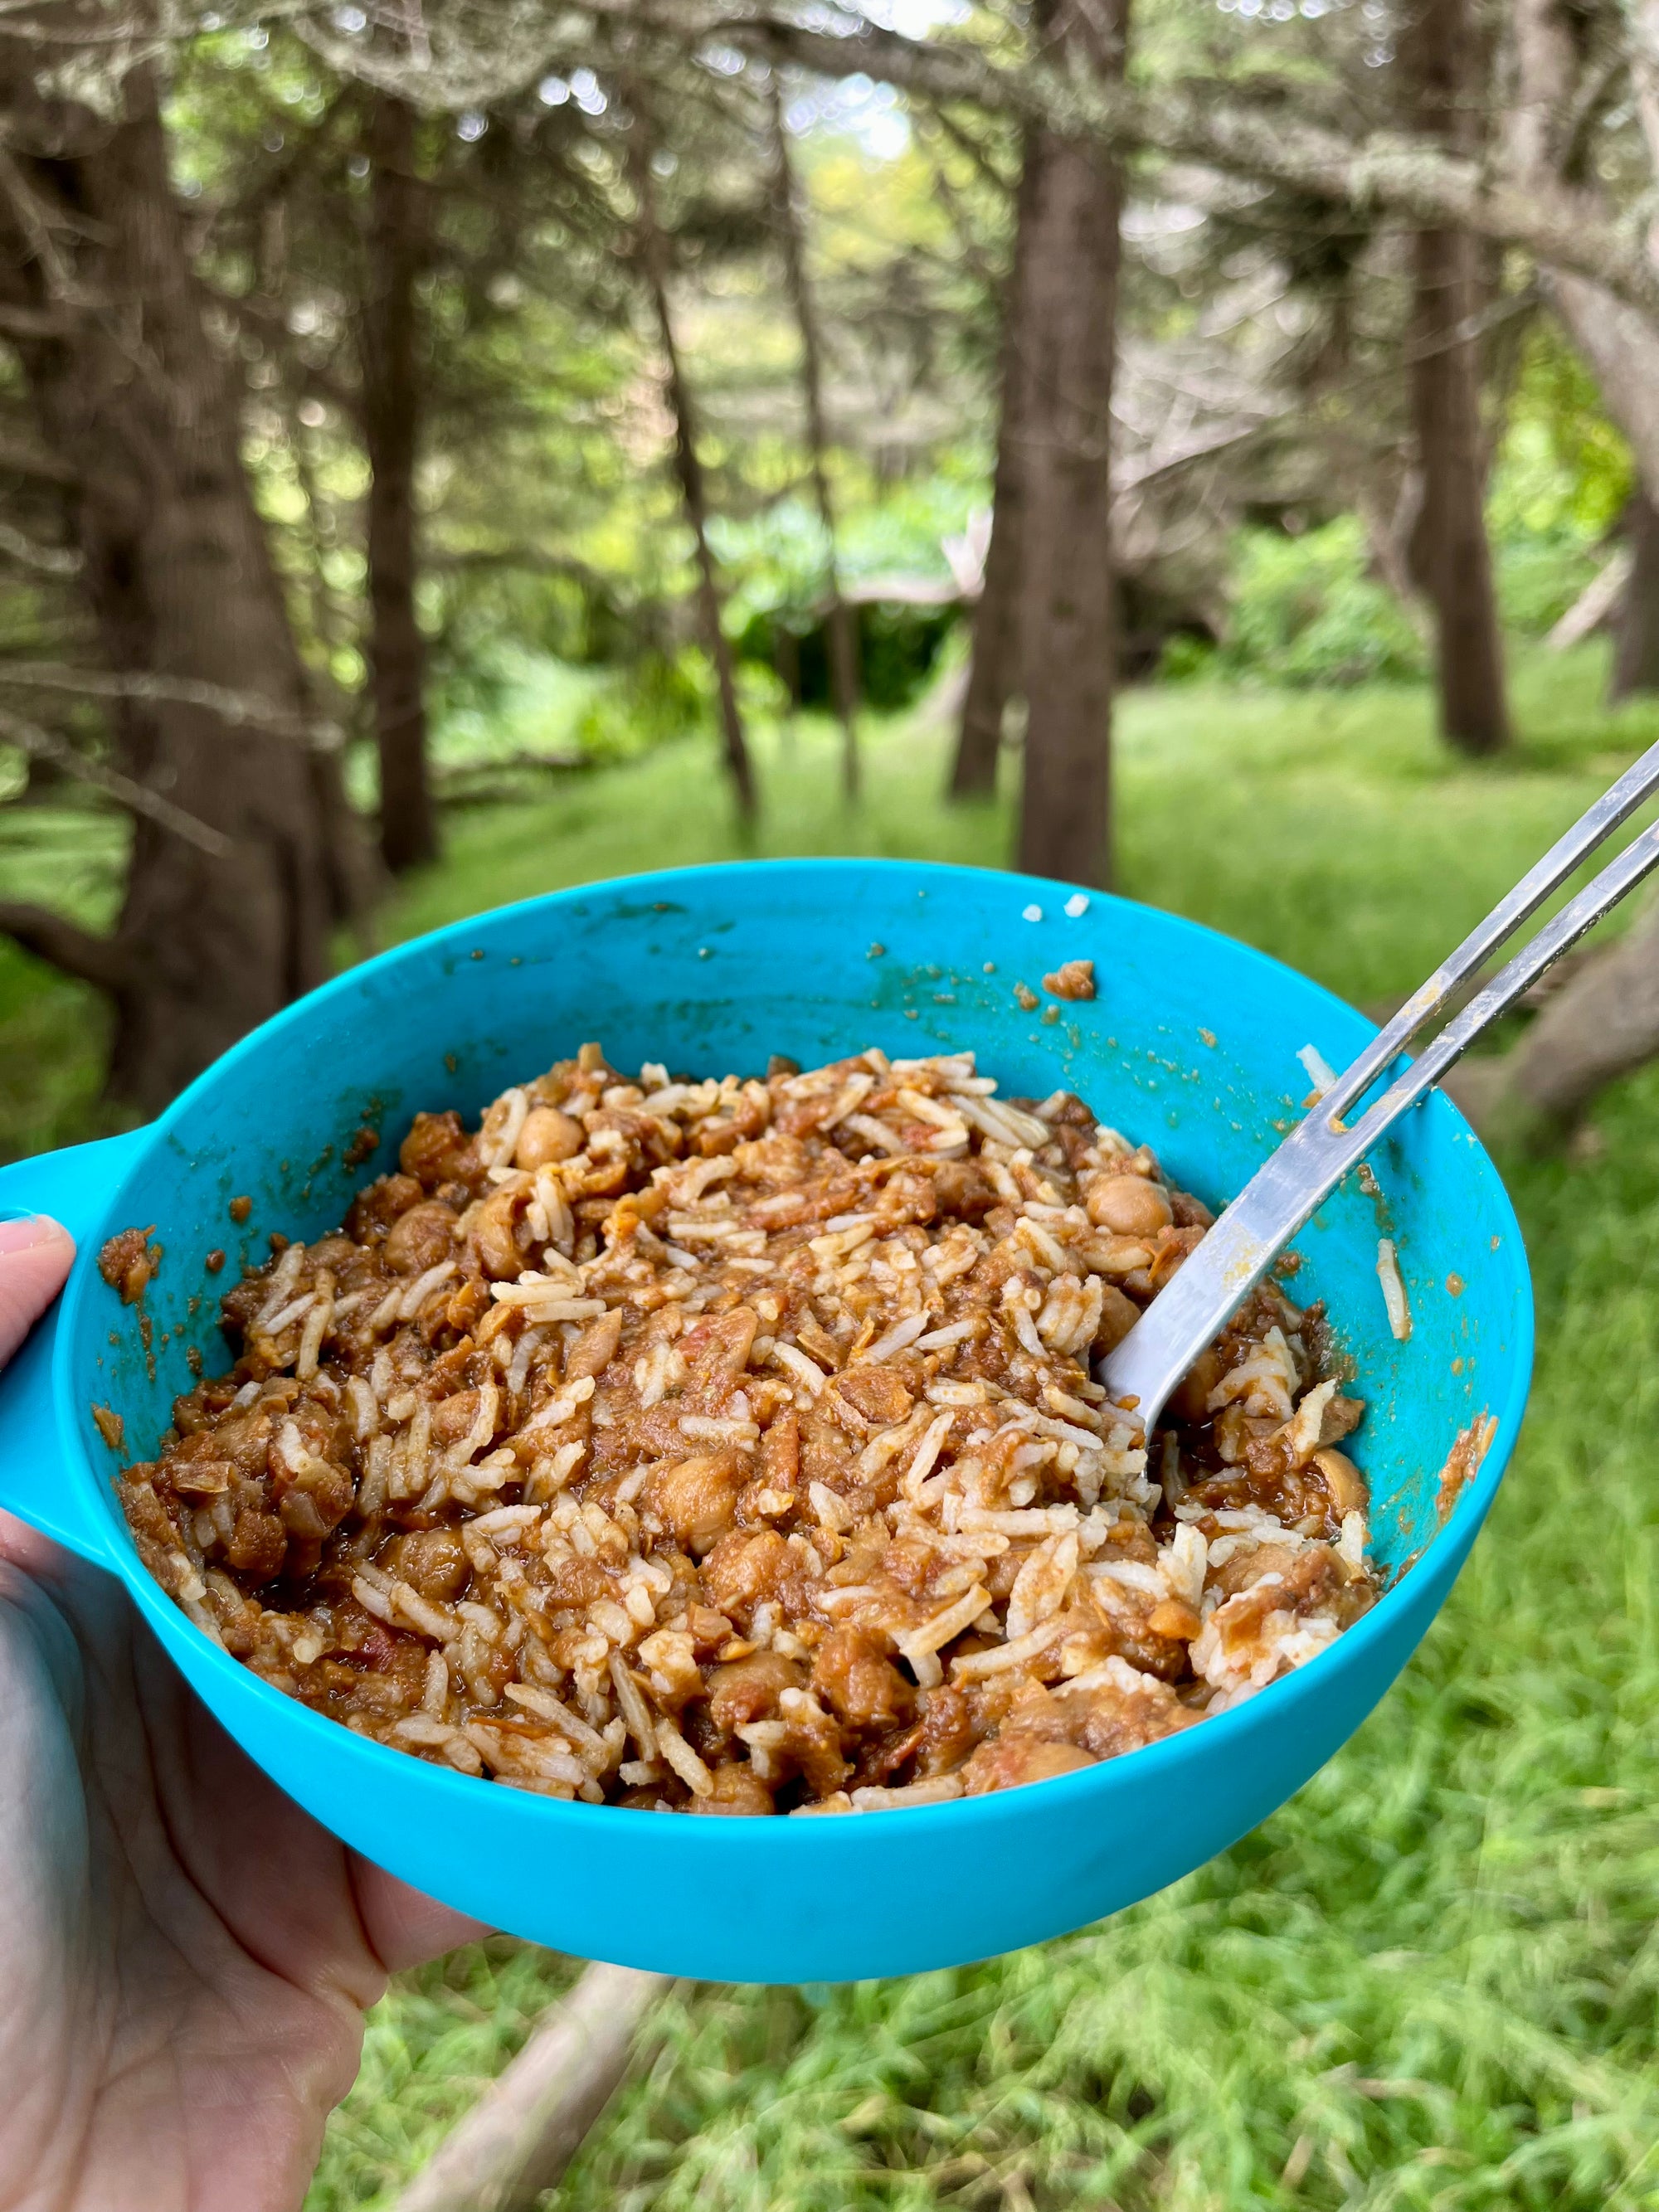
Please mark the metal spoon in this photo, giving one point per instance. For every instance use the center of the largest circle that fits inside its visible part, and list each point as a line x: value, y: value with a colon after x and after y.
x: 1198, y: 1302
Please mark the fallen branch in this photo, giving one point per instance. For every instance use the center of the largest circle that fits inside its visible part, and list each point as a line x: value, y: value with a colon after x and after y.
x: 1594, y: 603
x: 524, y: 2130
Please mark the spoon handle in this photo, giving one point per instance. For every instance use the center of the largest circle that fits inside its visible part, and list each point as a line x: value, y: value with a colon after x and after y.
x: 1285, y: 1191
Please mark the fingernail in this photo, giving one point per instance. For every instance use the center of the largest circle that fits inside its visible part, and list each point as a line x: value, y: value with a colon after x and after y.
x: 22, y: 1232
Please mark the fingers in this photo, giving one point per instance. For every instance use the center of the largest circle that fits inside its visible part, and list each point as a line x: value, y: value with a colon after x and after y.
x: 34, y: 1258
x: 406, y: 1927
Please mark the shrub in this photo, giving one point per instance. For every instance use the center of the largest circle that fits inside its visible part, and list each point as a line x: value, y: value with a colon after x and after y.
x: 1306, y: 611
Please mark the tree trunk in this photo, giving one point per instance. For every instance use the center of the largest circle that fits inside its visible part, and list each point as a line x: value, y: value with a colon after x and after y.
x: 1065, y: 302
x: 130, y: 390
x: 395, y: 249
x: 1606, y: 1021
x: 1620, y: 345
x: 1453, y: 558
x: 993, y: 670
x: 1635, y: 654
x: 688, y: 466
x: 786, y: 660
x: 840, y: 624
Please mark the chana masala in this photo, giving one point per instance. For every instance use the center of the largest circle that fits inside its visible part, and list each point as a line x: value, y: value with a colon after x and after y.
x: 731, y: 1447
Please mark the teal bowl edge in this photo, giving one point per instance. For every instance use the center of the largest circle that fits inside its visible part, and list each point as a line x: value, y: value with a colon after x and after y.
x: 1394, y: 1624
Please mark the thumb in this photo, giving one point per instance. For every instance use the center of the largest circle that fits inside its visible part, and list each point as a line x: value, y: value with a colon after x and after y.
x: 34, y: 1258
x: 405, y: 1928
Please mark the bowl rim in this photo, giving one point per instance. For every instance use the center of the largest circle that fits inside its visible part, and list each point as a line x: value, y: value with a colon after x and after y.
x: 1453, y: 1535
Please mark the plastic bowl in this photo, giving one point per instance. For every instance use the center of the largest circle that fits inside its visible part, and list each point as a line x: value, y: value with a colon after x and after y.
x: 1190, y: 1046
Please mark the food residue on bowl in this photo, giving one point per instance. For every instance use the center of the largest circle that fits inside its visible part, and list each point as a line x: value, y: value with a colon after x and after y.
x: 128, y: 1262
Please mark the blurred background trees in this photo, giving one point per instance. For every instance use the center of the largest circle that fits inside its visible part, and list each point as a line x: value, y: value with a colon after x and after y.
x: 410, y: 406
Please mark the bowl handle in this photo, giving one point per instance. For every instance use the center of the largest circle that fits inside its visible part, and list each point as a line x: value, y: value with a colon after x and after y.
x: 74, y: 1187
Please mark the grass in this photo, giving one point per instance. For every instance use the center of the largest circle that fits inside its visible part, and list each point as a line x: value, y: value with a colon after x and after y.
x: 1433, y: 1980
x: 1330, y: 828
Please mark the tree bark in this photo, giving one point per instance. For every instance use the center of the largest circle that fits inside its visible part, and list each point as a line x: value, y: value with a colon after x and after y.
x: 840, y: 626
x: 1620, y: 342
x: 131, y: 393
x: 688, y: 466
x: 1606, y: 1021
x: 994, y: 673
x: 1636, y: 652
x: 1066, y: 303
x: 1453, y: 558
x: 1622, y: 350
x: 395, y: 249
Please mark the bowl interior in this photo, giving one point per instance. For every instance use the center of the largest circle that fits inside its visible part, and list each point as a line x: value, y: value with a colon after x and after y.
x: 1190, y: 1046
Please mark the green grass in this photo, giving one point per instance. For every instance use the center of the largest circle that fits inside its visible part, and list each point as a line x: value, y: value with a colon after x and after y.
x: 1330, y: 828
x: 1433, y: 1980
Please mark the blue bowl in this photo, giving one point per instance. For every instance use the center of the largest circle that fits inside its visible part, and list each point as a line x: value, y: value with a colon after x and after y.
x: 1190, y: 1046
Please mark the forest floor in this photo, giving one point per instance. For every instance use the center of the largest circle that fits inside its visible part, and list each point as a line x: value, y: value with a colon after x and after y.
x: 1432, y: 1979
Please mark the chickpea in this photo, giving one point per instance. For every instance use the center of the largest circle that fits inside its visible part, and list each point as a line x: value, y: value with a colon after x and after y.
x: 453, y: 1416
x: 738, y: 1790
x: 1128, y: 1204
x: 493, y: 1235
x: 697, y: 1498
x: 1009, y: 1760
x: 861, y: 1685
x: 419, y: 1238
x: 1118, y: 1315
x: 1189, y: 1400
x: 548, y: 1135
x: 1345, y: 1484
x: 432, y: 1561
x: 748, y: 1689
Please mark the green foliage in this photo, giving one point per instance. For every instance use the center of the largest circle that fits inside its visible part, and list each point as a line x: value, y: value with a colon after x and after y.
x: 1562, y: 477
x: 528, y: 706
x: 1539, y: 574
x: 1185, y: 656
x: 898, y: 650
x: 777, y: 564
x: 1430, y: 1983
x: 1304, y: 611
x: 1562, y: 459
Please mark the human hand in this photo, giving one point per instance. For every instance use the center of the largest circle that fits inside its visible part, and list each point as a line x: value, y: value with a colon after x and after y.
x: 186, y: 1957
